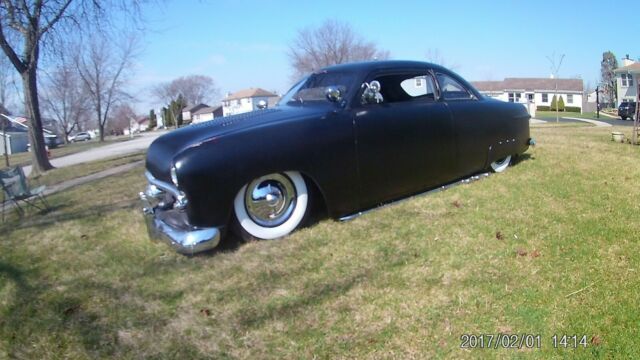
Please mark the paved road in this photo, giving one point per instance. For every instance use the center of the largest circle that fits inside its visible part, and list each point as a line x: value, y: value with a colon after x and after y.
x: 604, y: 119
x: 121, y: 148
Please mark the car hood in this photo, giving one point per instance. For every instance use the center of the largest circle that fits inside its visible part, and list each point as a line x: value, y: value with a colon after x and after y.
x: 164, y: 149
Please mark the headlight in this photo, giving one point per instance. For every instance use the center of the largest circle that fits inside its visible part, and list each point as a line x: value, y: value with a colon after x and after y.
x: 174, y: 176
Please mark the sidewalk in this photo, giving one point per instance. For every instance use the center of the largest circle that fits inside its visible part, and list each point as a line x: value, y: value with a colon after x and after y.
x: 122, y: 148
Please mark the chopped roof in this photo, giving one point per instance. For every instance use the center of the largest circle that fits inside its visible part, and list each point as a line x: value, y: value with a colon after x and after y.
x: 249, y: 93
x: 530, y: 84
x: 632, y: 68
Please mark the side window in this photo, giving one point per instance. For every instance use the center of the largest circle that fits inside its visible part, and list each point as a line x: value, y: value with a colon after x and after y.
x: 396, y: 88
x: 452, y: 89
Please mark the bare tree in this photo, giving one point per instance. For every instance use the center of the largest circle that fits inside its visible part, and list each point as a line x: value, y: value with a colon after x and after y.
x: 554, y: 65
x: 435, y: 57
x: 64, y: 99
x: 331, y: 43
x: 8, y: 85
x: 195, y: 89
x: 102, y: 66
x: 27, y: 27
x: 121, y: 119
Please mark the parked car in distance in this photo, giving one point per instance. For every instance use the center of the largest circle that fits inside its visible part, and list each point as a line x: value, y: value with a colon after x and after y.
x: 346, y: 138
x: 81, y: 136
x: 627, y: 110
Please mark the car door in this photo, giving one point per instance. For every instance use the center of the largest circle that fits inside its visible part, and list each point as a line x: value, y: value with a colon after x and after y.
x: 475, y: 125
x: 404, y: 143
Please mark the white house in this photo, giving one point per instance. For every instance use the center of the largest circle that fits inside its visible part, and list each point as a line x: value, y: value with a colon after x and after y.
x: 538, y: 91
x: 190, y: 110
x: 247, y: 100
x: 627, y: 80
x: 206, y: 113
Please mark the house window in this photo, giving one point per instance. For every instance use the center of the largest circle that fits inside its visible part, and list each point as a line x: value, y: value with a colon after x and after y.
x: 530, y: 97
x: 627, y: 79
x: 418, y: 82
x: 545, y: 98
x: 238, y: 102
x: 569, y: 98
x: 515, y: 97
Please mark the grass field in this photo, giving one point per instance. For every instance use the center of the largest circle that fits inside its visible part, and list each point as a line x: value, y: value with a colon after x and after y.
x: 548, y: 247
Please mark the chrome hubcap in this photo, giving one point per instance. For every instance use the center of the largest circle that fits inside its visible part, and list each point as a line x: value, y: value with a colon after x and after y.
x: 270, y: 200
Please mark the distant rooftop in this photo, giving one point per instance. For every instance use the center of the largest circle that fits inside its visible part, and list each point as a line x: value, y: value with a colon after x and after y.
x: 207, y: 110
x: 250, y: 93
x: 633, y: 68
x: 529, y: 84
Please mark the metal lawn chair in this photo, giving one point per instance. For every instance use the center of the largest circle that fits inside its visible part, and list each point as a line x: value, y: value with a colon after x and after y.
x: 15, y: 190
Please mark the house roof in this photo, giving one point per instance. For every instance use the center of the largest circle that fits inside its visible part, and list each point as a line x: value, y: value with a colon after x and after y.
x: 632, y: 68
x: 207, y: 110
x: 249, y: 93
x: 530, y: 84
x: 194, y: 108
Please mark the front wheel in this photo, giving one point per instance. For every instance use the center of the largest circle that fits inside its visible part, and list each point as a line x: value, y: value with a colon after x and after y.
x: 271, y: 206
x: 501, y: 164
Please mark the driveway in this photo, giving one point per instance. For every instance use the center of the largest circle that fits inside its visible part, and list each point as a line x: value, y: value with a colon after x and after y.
x: 121, y: 148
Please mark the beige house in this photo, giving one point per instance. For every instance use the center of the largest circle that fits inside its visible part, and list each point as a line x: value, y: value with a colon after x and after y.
x: 206, y: 113
x: 189, y: 110
x: 627, y: 80
x: 247, y: 100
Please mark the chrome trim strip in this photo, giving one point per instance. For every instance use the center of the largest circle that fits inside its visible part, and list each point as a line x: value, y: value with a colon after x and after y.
x: 187, y: 242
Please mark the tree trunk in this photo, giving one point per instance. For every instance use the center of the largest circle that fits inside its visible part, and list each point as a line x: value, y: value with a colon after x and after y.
x: 101, y: 127
x: 39, y: 159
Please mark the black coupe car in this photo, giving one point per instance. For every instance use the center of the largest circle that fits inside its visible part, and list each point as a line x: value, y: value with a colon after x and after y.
x: 349, y: 137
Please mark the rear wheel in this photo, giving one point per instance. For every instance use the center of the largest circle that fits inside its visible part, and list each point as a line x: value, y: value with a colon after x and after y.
x: 501, y: 164
x: 271, y: 206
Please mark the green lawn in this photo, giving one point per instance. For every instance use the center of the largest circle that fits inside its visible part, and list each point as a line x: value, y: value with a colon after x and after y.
x: 548, y: 247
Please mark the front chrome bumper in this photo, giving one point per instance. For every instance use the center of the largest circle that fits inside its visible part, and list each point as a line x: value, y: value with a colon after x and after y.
x: 184, y: 239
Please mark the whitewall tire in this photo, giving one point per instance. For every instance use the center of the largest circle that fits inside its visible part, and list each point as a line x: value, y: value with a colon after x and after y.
x: 501, y: 165
x: 271, y: 206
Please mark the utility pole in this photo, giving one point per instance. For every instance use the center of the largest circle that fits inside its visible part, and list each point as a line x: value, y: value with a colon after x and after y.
x: 4, y: 142
x: 598, y: 102
x: 636, y: 121
x: 4, y: 139
x: 554, y: 70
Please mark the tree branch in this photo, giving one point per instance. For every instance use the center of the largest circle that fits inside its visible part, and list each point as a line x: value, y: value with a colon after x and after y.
x: 11, y: 54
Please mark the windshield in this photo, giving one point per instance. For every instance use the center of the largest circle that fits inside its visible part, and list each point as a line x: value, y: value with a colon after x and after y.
x: 313, y: 87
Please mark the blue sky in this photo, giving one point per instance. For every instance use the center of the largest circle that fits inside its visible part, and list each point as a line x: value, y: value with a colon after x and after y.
x: 244, y: 44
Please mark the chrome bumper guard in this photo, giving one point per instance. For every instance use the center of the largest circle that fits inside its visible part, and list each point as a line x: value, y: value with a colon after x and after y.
x: 185, y: 241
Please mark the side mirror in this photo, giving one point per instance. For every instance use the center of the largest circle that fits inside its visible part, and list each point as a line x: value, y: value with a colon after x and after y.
x: 333, y: 94
x: 262, y: 104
